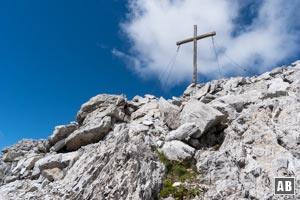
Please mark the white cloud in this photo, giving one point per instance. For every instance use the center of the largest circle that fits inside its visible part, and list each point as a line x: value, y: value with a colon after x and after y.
x: 153, y: 27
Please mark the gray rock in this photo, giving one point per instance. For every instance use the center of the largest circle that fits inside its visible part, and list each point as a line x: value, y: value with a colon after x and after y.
x: 53, y: 174
x: 277, y: 88
x: 146, y: 111
x: 177, y: 150
x: 205, y: 116
x: 58, y: 146
x: 194, y: 143
x: 170, y: 113
x: 25, y: 146
x: 62, y: 132
x: 148, y: 122
x: 90, y: 133
x: 60, y: 161
x: 237, y: 157
x: 184, y: 132
x: 101, y: 102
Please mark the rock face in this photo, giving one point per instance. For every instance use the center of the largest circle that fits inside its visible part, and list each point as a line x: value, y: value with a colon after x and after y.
x: 239, y: 133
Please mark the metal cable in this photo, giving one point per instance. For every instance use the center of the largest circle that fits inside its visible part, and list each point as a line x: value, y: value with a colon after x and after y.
x: 171, y: 66
x: 235, y: 63
x: 220, y: 72
x: 167, y: 72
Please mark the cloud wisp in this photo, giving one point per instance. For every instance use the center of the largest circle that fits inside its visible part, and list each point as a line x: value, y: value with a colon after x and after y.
x: 256, y: 35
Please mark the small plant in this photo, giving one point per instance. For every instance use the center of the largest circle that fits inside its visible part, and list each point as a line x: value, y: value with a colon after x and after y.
x: 178, y: 171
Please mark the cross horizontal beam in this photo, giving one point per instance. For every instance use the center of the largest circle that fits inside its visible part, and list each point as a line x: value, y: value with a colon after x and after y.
x: 197, y: 38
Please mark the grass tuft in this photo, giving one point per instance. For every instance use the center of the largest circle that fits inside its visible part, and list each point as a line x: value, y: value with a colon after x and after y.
x: 184, y: 172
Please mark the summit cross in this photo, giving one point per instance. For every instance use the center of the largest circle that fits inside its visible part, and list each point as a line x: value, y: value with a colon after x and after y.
x: 194, y: 39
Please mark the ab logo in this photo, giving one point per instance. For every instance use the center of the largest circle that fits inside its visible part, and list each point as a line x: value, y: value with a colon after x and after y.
x: 285, y: 185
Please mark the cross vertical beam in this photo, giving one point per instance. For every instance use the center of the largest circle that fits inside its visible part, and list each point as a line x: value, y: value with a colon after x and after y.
x: 195, y: 56
x: 195, y: 39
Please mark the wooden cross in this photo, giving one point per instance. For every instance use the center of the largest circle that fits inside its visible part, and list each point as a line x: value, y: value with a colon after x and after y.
x: 195, y: 38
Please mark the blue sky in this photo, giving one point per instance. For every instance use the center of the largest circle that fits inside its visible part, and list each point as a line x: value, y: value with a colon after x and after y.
x: 56, y: 54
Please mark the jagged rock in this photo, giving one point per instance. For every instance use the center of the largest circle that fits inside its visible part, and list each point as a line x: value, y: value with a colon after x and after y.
x: 101, y: 102
x: 233, y: 83
x: 58, y: 145
x: 184, y: 132
x: 53, y: 174
x: 202, y: 114
x: 89, y: 133
x: 249, y: 134
x: 54, y: 161
x: 26, y: 163
x: 62, y: 132
x: 238, y: 101
x: 202, y: 91
x: 207, y: 98
x: 15, y: 152
x: 277, y: 88
x: 11, y: 156
x: 176, y: 101
x: 170, y: 113
x: 146, y: 111
x: 177, y: 150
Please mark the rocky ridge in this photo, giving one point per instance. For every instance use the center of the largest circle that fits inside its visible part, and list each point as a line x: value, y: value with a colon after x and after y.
x: 238, y: 133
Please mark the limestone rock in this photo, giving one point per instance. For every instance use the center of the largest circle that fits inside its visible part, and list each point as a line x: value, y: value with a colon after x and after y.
x: 15, y: 152
x: 90, y: 133
x: 177, y: 150
x: 277, y: 88
x: 58, y: 145
x: 169, y: 113
x: 62, y: 132
x: 101, y: 101
x: 53, y: 174
x: 205, y: 116
x: 184, y: 132
x: 249, y: 133
x: 54, y: 161
x: 146, y: 111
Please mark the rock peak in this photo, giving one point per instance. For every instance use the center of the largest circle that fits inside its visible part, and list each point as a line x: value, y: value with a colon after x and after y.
x: 225, y: 139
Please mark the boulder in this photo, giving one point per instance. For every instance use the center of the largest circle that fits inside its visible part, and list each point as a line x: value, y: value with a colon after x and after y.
x: 101, y: 101
x: 90, y: 133
x: 177, y: 150
x: 58, y: 146
x: 184, y: 132
x: 169, y: 113
x: 62, y: 132
x: 203, y: 115
x: 202, y: 91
